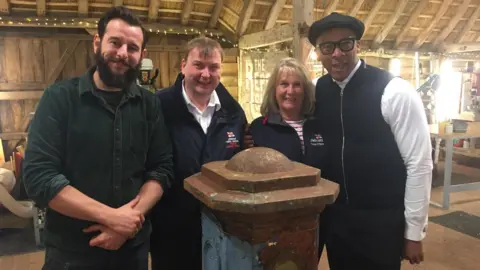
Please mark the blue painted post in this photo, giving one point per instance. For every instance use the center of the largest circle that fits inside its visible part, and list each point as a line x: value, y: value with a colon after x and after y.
x: 222, y: 251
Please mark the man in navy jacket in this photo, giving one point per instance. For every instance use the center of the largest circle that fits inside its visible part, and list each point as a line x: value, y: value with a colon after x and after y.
x: 206, y: 124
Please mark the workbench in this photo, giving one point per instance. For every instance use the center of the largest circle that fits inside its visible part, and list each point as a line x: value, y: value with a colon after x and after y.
x: 473, y: 132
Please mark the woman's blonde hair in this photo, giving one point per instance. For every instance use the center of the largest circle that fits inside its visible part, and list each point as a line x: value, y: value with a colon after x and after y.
x: 269, y: 103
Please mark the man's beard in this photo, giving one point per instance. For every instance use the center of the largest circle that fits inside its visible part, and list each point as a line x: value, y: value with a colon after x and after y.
x: 113, y: 80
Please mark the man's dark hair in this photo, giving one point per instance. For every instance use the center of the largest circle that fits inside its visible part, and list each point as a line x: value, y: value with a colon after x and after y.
x: 125, y: 14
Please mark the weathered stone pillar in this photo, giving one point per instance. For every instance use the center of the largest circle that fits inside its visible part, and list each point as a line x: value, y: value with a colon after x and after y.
x: 261, y: 211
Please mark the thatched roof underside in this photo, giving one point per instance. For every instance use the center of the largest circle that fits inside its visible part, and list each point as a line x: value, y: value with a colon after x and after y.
x: 403, y: 24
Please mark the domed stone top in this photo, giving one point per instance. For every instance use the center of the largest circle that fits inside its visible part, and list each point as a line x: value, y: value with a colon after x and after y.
x: 259, y: 160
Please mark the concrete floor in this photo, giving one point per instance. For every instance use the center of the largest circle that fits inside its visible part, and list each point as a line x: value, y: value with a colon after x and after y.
x: 444, y: 248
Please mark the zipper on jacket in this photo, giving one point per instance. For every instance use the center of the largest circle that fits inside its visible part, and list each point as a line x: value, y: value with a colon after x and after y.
x: 343, y: 146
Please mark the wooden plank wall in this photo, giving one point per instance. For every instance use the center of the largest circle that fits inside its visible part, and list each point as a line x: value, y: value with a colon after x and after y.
x: 255, y: 70
x: 29, y: 64
x: 407, y: 68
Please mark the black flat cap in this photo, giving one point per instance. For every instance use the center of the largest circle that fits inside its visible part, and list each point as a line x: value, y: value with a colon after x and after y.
x: 335, y: 20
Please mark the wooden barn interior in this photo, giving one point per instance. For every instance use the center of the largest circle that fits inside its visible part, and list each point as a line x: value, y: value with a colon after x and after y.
x: 45, y: 41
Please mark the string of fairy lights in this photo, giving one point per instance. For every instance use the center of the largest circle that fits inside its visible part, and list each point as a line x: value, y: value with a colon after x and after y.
x: 92, y: 24
x: 460, y: 56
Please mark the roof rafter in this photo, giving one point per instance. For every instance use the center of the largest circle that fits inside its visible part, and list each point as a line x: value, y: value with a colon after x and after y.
x: 215, y: 14
x: 469, y: 25
x: 41, y: 8
x: 382, y: 34
x: 417, y: 11
x: 424, y: 35
x: 331, y: 8
x: 373, y: 13
x: 245, y: 15
x: 356, y: 8
x: 274, y: 13
x: 186, y: 12
x: 153, y: 10
x: 453, y: 22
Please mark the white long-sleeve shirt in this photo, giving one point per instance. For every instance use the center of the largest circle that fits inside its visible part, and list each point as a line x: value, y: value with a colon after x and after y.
x: 403, y: 110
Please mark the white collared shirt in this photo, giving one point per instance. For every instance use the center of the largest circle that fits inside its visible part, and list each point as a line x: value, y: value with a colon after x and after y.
x: 203, y: 118
x: 403, y: 110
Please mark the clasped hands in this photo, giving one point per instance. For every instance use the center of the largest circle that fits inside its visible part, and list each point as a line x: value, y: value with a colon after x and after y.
x: 117, y: 226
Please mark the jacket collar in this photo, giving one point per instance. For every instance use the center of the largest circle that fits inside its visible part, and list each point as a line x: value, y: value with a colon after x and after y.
x: 86, y: 85
x: 355, y: 77
x: 276, y: 119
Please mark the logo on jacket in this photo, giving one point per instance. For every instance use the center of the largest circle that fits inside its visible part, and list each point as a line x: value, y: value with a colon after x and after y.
x: 232, y: 141
x: 316, y: 140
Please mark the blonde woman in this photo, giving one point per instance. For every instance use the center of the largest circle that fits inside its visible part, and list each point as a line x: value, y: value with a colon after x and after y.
x: 287, y: 123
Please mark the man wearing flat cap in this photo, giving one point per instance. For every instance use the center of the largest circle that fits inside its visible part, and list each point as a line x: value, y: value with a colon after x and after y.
x: 375, y: 127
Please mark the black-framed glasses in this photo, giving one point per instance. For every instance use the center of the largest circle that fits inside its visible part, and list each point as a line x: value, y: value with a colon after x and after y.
x: 345, y: 45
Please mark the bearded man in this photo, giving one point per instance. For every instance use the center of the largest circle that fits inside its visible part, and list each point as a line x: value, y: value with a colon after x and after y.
x: 99, y: 156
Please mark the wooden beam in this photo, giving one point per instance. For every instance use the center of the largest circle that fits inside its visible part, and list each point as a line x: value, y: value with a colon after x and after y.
x: 417, y: 11
x: 424, y: 34
x: 4, y: 7
x: 62, y: 61
x: 302, y: 19
x: 187, y: 10
x: 460, y: 47
x: 13, y: 136
x: 470, y: 23
x: 394, y: 54
x: 215, y: 14
x: 382, y: 34
x: 82, y: 8
x: 331, y: 8
x: 91, y: 31
x: 373, y: 13
x: 21, y: 86
x: 453, y: 22
x: 41, y: 8
x: 20, y: 95
x: 276, y: 35
x: 165, y: 48
x: 245, y: 15
x: 119, y: 2
x: 274, y: 13
x: 356, y: 8
x: 153, y: 10
x: 231, y: 51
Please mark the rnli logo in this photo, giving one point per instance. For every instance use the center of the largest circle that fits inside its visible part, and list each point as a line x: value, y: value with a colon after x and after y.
x: 232, y: 141
x: 316, y: 140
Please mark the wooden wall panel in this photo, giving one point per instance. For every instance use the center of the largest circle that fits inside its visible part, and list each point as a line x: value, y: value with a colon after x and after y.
x: 163, y: 63
x: 69, y: 70
x: 12, y: 60
x: 25, y: 66
x: 51, y: 54
x: 175, y: 60
x: 37, y: 61
x: 2, y: 61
